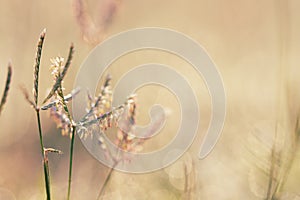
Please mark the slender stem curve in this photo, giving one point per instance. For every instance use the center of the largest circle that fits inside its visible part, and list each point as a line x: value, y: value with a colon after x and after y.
x: 45, y: 161
x: 71, y: 161
x: 107, y: 179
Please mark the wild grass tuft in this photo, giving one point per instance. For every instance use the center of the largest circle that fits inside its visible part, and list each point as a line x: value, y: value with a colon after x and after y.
x: 34, y: 103
x: 99, y: 113
x: 274, y: 160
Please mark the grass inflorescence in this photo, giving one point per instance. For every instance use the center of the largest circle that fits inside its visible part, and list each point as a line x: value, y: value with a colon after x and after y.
x: 99, y: 113
x: 35, y: 104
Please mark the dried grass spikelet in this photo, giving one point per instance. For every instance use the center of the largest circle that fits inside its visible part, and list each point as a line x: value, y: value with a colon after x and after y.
x: 129, y: 137
x: 100, y: 114
x: 103, y: 102
x: 58, y: 111
x: 93, y: 28
x: 6, y: 88
x: 37, y: 65
x: 27, y: 98
x: 98, y: 106
x: 59, y: 78
x: 56, y: 67
x: 106, y: 95
x: 125, y: 138
x: 34, y: 102
x: 61, y: 120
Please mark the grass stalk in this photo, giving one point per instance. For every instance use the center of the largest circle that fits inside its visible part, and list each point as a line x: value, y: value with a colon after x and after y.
x: 60, y: 93
x: 71, y: 161
x: 36, y: 92
x: 56, y: 89
x: 107, y: 179
x: 45, y: 161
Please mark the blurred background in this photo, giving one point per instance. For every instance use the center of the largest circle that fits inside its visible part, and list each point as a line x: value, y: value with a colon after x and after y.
x: 255, y: 45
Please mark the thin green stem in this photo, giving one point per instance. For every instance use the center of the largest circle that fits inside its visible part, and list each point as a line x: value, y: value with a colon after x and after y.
x: 71, y: 161
x: 47, y: 178
x: 107, y: 179
x: 45, y: 161
x: 116, y: 162
x: 60, y: 93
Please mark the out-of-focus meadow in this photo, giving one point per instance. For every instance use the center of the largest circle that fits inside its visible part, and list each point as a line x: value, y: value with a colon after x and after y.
x: 256, y: 46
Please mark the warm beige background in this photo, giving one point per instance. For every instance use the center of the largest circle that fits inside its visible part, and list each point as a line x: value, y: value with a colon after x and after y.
x: 254, y: 43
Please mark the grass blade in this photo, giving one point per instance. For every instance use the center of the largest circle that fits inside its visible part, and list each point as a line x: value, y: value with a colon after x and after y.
x: 6, y: 89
